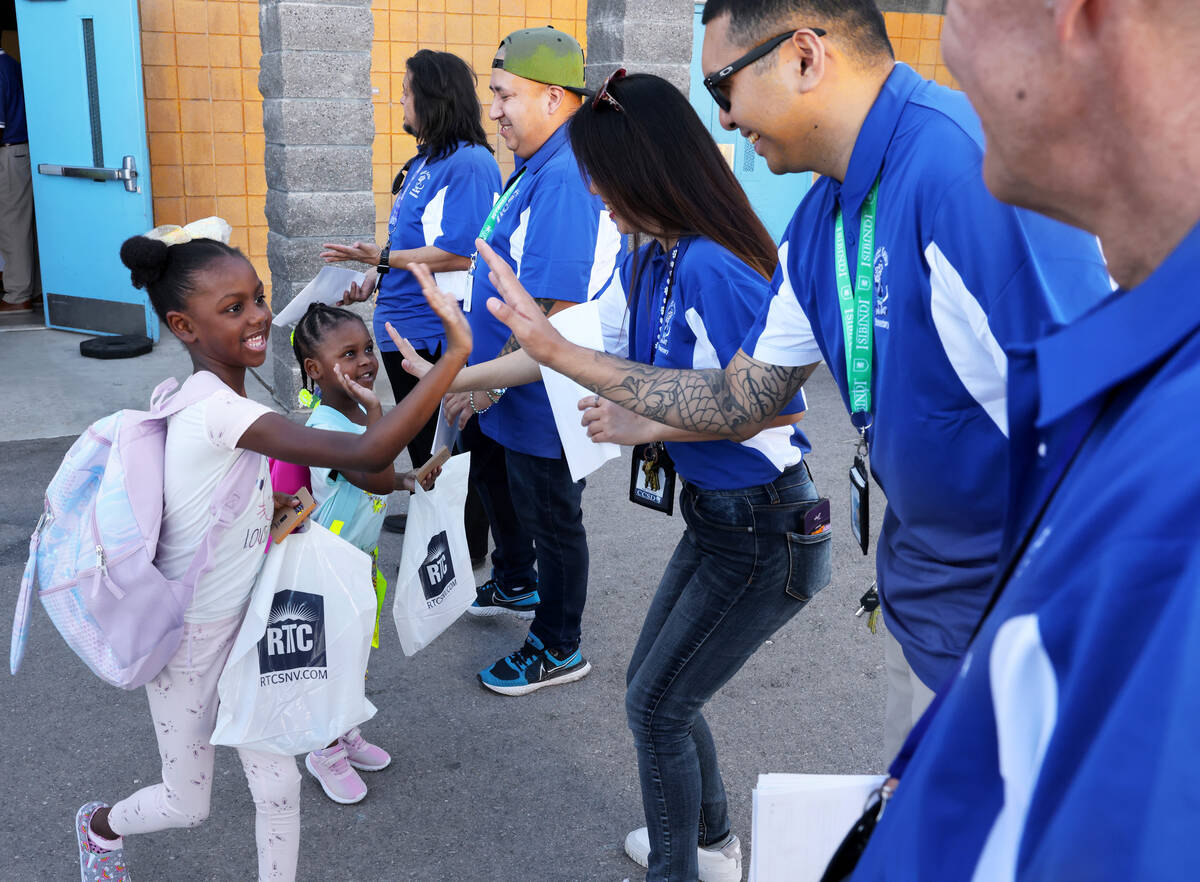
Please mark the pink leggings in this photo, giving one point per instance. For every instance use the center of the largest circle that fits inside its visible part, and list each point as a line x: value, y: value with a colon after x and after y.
x: 183, y: 703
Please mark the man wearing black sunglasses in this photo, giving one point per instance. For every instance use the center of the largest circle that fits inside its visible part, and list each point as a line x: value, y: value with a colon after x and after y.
x: 900, y: 237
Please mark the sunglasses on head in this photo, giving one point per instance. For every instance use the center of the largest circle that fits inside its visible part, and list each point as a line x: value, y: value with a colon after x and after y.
x: 713, y: 82
x: 602, y: 94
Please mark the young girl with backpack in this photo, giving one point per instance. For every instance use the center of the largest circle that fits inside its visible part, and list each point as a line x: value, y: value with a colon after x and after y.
x: 351, y: 503
x: 210, y: 297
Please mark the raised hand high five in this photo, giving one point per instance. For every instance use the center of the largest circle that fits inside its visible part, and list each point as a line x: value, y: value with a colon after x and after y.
x: 458, y: 332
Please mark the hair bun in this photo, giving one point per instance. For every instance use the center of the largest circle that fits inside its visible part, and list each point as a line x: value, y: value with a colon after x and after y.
x: 146, y: 259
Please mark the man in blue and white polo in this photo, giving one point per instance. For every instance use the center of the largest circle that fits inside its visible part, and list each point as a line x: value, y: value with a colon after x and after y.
x: 564, y: 246
x: 1066, y: 748
x: 951, y: 279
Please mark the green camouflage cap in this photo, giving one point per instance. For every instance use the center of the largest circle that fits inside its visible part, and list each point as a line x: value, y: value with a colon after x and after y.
x: 544, y: 55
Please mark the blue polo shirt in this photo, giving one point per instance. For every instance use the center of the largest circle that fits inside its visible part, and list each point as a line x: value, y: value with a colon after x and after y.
x: 563, y: 246
x: 959, y: 278
x: 1084, y: 683
x: 715, y: 297
x: 12, y: 102
x: 443, y: 204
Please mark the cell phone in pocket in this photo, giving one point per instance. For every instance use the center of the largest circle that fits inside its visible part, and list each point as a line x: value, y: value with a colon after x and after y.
x: 816, y: 519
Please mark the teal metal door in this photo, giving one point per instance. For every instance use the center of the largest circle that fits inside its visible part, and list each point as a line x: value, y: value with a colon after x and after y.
x: 82, y: 65
x: 774, y: 197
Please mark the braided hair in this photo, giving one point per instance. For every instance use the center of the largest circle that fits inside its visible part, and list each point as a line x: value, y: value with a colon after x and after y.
x: 313, y: 325
x: 168, y: 272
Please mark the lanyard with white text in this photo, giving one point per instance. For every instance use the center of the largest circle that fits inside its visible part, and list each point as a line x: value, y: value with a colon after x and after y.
x: 488, y: 230
x: 858, y: 334
x: 661, y: 335
x: 857, y: 313
x: 395, y: 216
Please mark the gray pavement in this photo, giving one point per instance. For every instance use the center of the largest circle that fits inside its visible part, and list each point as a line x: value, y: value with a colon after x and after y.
x: 481, y: 787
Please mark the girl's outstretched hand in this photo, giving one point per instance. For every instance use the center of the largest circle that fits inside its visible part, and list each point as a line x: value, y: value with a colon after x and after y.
x: 412, y: 362
x: 518, y: 310
x: 364, y: 252
x: 458, y: 332
x: 364, y: 396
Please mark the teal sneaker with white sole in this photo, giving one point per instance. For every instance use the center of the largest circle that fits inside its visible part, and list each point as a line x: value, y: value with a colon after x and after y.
x: 531, y: 667
x: 492, y: 600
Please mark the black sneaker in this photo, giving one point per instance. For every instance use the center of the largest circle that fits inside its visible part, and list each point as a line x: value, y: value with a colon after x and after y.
x: 491, y: 600
x: 531, y: 667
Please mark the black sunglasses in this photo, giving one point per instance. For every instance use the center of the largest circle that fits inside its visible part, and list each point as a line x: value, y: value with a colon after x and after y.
x: 714, y: 81
x: 602, y: 94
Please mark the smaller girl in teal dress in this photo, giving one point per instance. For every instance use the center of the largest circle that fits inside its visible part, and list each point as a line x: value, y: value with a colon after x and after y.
x: 350, y: 504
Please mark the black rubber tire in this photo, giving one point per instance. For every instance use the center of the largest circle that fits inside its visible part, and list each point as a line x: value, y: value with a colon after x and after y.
x: 122, y: 346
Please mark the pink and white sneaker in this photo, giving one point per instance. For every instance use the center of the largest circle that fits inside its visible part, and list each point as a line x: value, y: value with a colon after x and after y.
x: 333, y: 772
x: 362, y: 754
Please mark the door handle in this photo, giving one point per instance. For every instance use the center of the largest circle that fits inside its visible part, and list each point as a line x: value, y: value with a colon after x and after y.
x: 127, y: 172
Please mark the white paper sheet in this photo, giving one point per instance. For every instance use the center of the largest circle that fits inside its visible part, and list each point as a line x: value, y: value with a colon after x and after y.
x: 326, y: 287
x: 799, y: 821
x: 581, y: 326
x: 445, y: 435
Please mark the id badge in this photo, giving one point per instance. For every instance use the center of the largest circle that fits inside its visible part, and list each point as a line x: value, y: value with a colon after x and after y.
x: 467, y: 297
x: 860, y: 503
x: 652, y: 478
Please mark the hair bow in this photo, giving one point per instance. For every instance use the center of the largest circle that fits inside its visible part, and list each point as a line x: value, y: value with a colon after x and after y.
x: 205, y: 228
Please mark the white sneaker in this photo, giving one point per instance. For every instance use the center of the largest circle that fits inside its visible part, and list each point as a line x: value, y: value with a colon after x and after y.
x: 722, y: 864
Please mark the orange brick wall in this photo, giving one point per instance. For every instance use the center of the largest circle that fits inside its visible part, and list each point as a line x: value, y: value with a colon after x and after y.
x: 917, y: 41
x: 204, y: 110
x: 472, y: 30
x: 204, y: 116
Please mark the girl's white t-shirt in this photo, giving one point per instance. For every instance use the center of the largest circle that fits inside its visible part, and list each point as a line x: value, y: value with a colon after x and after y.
x: 201, y: 449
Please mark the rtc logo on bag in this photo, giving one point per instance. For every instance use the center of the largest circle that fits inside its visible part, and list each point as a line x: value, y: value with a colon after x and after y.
x: 437, y: 570
x: 293, y: 645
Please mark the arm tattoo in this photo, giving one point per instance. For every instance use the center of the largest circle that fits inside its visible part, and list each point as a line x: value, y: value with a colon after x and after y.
x: 736, y: 402
x: 547, y: 304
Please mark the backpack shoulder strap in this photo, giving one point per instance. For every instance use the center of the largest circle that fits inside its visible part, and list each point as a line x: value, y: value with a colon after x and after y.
x: 169, y: 397
x: 233, y: 494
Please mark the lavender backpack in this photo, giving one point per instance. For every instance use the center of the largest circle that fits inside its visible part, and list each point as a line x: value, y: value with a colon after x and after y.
x: 91, y: 556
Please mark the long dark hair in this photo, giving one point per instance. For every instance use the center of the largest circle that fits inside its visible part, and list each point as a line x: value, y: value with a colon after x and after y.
x: 447, y: 105
x: 654, y: 161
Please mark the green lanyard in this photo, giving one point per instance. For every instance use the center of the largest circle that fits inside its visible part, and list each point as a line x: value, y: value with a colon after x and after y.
x: 493, y: 218
x: 857, y: 308
x: 488, y: 228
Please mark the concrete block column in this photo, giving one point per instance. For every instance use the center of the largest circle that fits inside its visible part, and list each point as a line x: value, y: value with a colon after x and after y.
x: 315, y: 78
x: 646, y: 36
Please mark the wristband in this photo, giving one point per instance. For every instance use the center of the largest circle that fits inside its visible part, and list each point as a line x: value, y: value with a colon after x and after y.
x: 471, y: 401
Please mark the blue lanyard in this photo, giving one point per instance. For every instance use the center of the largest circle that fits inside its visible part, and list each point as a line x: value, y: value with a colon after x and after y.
x: 661, y: 334
x: 395, y: 216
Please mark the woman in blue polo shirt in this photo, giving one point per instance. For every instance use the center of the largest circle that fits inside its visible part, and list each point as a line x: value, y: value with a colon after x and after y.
x: 443, y: 195
x: 745, y: 565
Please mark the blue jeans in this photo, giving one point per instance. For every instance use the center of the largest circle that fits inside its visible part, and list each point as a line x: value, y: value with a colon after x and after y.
x: 741, y: 570
x: 548, y: 506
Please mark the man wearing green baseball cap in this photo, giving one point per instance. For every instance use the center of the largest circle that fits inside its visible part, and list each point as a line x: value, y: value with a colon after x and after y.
x: 564, y: 246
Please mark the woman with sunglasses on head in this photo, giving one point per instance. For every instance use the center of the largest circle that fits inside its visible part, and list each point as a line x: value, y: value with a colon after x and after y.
x: 685, y: 297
